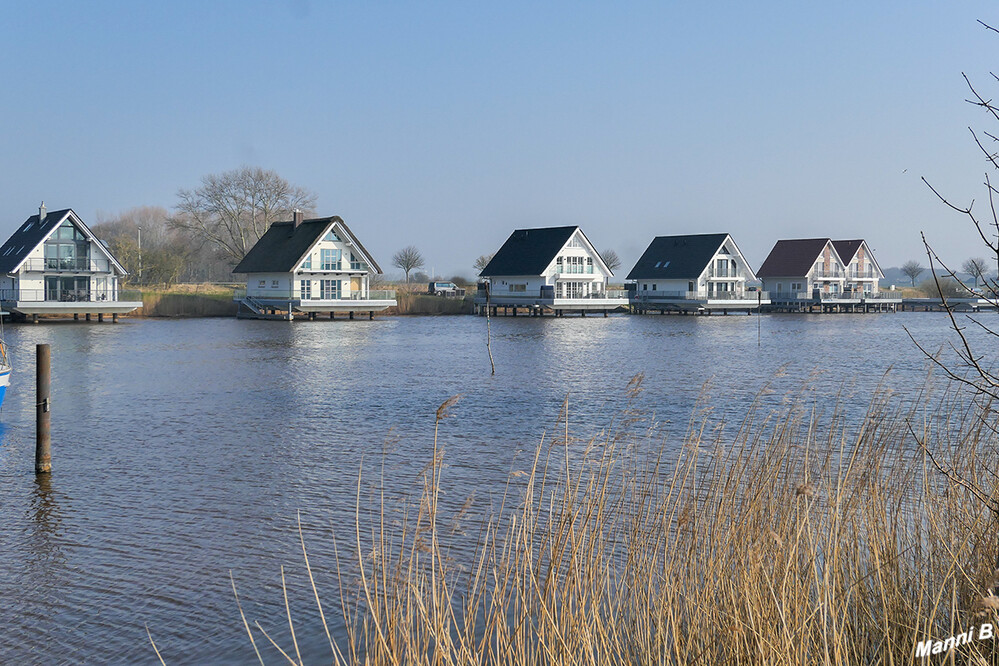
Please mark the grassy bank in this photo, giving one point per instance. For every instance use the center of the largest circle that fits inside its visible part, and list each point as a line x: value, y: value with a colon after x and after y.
x: 187, y: 301
x: 415, y: 303
x: 793, y: 538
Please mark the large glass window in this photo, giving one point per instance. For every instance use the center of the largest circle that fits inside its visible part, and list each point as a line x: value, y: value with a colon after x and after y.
x: 355, y: 263
x: 305, y: 290
x: 307, y: 264
x: 330, y: 259
x: 67, y: 288
x: 67, y: 249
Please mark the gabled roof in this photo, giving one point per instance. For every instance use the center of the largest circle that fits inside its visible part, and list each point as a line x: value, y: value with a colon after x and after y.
x: 792, y: 258
x: 846, y: 249
x: 677, y: 257
x: 32, y: 233
x: 280, y: 249
x: 529, y: 251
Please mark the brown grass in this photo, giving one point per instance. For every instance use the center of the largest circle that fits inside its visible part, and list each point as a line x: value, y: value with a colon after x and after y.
x: 416, y: 303
x: 796, y: 538
x: 187, y: 301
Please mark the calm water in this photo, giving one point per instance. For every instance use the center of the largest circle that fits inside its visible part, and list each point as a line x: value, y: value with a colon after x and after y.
x: 184, y: 449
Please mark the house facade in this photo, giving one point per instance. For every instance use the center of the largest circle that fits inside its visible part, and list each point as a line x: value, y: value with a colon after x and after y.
x: 554, y: 267
x: 310, y: 266
x: 550, y: 262
x: 54, y: 264
x: 692, y: 272
x: 823, y: 270
x: 862, y: 272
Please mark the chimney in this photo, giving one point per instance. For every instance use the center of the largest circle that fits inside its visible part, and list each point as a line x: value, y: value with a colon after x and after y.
x: 299, y: 218
x: 41, y: 213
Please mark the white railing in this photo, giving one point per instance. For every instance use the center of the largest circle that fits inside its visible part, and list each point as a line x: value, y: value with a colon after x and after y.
x: 69, y: 295
x: 285, y: 295
x: 75, y: 264
x: 703, y: 295
x: 887, y: 294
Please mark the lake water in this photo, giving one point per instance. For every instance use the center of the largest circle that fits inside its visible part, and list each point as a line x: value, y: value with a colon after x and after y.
x: 183, y: 450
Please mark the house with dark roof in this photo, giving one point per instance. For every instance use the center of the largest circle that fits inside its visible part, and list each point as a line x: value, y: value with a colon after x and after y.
x: 693, y: 272
x: 863, y: 274
x: 841, y: 272
x: 53, y: 264
x: 309, y: 266
x: 553, y: 267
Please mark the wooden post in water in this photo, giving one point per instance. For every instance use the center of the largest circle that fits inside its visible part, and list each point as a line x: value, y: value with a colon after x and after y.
x: 43, y: 431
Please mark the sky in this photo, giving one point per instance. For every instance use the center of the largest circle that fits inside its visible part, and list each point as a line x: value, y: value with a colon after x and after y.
x: 446, y: 125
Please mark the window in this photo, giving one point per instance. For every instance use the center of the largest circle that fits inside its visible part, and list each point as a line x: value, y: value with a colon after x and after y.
x: 305, y: 289
x: 355, y: 263
x: 274, y: 284
x: 518, y: 287
x: 331, y: 236
x: 574, y: 242
x: 589, y: 264
x: 262, y: 284
x: 653, y: 286
x: 67, y: 249
x: 329, y: 289
x: 307, y: 264
x: 569, y: 265
x: 329, y: 259
x: 645, y: 287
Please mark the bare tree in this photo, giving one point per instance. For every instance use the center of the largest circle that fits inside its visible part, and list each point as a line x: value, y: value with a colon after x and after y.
x: 977, y: 267
x: 232, y: 210
x: 481, y: 263
x: 155, y: 251
x: 611, y: 259
x: 912, y: 269
x: 408, y: 259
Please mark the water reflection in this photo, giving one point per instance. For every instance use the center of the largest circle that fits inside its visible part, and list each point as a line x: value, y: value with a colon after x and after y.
x: 46, y: 520
x: 183, y: 449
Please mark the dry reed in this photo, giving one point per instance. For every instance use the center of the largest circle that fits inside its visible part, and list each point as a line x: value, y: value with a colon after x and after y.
x: 800, y: 538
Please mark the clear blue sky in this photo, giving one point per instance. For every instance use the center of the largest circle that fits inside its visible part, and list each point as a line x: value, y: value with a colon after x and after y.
x: 447, y: 125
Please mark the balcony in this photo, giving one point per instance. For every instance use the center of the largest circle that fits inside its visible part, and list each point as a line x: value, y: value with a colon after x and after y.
x: 72, y: 264
x: 69, y: 295
x: 295, y: 295
x: 703, y: 295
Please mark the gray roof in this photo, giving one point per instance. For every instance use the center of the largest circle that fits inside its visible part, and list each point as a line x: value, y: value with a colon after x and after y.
x: 528, y: 251
x: 30, y: 234
x: 677, y: 257
x: 847, y: 249
x: 27, y: 238
x: 280, y: 249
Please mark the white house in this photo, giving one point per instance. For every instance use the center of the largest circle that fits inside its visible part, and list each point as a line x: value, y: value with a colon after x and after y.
x: 53, y: 264
x: 553, y: 267
x: 309, y: 266
x: 863, y: 274
x: 693, y: 272
x: 822, y: 270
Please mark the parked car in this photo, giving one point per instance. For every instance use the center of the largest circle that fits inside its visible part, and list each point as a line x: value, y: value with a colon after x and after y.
x: 446, y: 289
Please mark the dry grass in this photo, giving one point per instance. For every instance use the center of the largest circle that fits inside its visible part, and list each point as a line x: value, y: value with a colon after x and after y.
x: 799, y: 538
x: 421, y: 303
x: 187, y: 301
